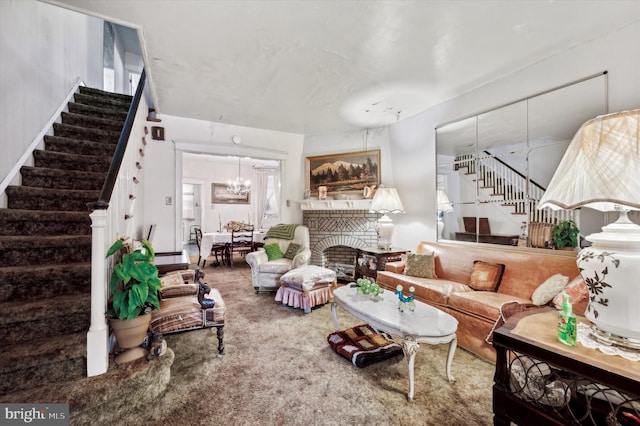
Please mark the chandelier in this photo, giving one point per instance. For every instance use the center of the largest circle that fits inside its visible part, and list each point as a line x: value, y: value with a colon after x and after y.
x: 239, y: 186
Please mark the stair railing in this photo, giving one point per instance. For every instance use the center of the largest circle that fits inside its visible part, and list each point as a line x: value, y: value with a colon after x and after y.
x: 111, y: 218
x: 511, y: 185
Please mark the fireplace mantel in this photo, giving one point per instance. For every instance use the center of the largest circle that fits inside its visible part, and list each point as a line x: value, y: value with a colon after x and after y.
x: 335, y: 204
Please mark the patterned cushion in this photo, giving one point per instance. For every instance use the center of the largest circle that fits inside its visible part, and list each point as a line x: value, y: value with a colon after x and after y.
x: 278, y: 266
x: 577, y: 291
x: 185, y: 313
x: 549, y: 289
x: 363, y: 346
x: 305, y: 277
x: 179, y: 290
x: 273, y: 251
x: 486, y: 276
x: 171, y: 280
x: 420, y: 265
x: 292, y: 250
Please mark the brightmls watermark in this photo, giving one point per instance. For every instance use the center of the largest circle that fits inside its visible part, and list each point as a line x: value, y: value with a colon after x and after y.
x: 36, y: 414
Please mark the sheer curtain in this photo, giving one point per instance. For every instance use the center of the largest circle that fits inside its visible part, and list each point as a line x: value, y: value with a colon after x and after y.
x: 260, y: 194
x: 276, y: 186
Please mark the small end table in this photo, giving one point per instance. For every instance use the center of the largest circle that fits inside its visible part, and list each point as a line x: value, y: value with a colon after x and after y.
x: 370, y: 260
x: 171, y: 261
x: 593, y: 378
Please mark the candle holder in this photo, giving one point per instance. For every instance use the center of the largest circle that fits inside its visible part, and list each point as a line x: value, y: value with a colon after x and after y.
x: 406, y: 301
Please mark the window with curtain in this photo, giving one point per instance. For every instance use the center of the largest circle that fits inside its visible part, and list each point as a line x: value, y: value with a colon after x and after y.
x: 268, y: 202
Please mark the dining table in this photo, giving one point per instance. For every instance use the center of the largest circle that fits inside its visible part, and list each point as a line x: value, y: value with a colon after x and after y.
x: 211, y: 238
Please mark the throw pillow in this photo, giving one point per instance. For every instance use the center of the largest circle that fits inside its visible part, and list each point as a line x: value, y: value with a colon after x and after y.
x: 420, y: 265
x: 292, y: 250
x: 577, y: 291
x: 179, y: 291
x: 486, y: 276
x: 549, y: 289
x: 273, y: 251
x: 171, y: 280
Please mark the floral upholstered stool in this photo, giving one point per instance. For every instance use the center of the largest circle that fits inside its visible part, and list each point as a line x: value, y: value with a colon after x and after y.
x: 306, y: 287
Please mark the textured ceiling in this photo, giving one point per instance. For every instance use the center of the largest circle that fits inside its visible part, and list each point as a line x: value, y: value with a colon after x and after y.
x: 314, y: 67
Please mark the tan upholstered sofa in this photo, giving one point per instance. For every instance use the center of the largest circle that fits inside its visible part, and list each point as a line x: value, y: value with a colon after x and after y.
x: 477, y: 311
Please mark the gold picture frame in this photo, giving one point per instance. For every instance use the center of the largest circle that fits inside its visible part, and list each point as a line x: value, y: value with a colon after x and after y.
x: 346, y: 172
x: 221, y: 195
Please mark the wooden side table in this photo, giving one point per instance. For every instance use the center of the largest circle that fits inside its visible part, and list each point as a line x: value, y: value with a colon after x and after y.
x: 370, y: 260
x: 540, y: 381
x: 171, y: 261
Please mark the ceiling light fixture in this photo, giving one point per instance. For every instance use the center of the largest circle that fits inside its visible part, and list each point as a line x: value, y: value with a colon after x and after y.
x: 239, y: 186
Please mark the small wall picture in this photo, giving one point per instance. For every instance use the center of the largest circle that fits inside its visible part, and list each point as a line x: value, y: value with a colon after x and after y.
x: 221, y: 195
x: 339, y: 173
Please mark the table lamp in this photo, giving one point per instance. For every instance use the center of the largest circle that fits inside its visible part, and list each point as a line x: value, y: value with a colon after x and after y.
x: 385, y: 200
x: 601, y: 170
x: 444, y: 206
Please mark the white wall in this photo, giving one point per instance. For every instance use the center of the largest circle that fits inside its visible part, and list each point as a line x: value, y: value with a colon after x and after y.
x: 413, y: 139
x: 164, y: 168
x: 43, y: 51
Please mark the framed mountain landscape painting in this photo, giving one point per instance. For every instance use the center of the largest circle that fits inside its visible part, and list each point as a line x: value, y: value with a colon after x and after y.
x: 340, y: 173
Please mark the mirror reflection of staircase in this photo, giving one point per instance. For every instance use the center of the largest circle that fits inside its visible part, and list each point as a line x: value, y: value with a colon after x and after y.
x: 510, y: 192
x: 45, y: 248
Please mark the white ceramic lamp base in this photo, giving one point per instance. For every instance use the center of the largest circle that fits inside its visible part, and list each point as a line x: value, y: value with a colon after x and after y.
x: 385, y: 232
x: 610, y: 268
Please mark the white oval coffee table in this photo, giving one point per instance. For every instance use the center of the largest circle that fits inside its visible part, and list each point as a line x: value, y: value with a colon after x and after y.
x: 425, y: 324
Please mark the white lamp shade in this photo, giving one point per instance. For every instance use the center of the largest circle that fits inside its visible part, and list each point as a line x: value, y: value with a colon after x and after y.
x: 386, y: 200
x: 600, y: 167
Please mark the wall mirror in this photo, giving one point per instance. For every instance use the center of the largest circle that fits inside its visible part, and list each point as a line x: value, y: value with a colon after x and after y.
x: 494, y: 166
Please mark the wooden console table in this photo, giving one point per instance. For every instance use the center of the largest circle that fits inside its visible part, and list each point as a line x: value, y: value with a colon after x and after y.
x: 600, y: 387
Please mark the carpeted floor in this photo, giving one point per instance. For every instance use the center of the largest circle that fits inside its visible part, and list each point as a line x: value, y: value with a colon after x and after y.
x: 280, y: 370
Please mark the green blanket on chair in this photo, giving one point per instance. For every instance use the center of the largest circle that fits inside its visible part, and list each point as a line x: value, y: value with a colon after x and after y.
x: 282, y: 231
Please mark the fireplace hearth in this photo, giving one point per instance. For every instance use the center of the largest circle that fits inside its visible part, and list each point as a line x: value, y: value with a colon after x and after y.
x: 336, y: 234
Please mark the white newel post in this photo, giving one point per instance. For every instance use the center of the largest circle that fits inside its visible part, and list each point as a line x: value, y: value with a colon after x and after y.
x: 98, y: 335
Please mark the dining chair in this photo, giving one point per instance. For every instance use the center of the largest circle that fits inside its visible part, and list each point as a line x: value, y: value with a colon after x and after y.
x: 216, y: 249
x: 241, y: 242
x: 198, y: 233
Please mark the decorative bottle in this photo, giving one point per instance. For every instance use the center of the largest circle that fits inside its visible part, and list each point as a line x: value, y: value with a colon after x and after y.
x: 411, y: 300
x: 567, y: 323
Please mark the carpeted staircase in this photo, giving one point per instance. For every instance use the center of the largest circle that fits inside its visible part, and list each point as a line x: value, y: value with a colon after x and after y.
x: 45, y: 246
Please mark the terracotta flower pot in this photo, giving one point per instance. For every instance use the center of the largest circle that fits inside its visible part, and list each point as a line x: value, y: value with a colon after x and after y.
x: 130, y: 333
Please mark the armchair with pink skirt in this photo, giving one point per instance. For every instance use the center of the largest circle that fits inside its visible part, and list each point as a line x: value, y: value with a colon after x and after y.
x: 285, y: 247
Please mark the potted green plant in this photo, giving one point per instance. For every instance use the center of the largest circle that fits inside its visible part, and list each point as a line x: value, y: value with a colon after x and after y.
x: 565, y: 235
x: 135, y: 289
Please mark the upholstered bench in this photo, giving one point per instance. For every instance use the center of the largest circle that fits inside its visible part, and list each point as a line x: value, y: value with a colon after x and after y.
x: 306, y: 287
x: 181, y: 311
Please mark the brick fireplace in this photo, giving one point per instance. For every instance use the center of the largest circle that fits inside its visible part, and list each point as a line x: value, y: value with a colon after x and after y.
x: 336, y: 234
